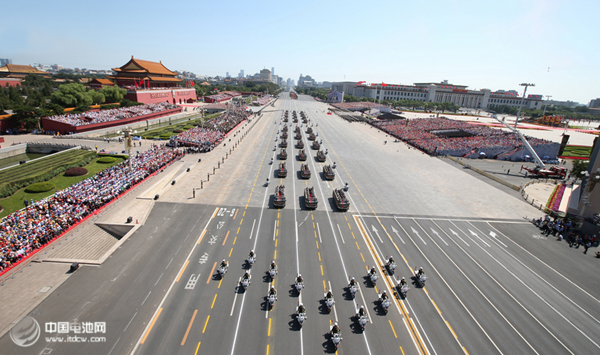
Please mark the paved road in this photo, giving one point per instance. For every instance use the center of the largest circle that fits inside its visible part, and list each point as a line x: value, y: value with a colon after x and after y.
x: 494, y: 285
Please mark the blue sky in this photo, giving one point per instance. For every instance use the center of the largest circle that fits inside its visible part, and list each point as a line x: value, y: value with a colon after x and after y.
x: 482, y: 44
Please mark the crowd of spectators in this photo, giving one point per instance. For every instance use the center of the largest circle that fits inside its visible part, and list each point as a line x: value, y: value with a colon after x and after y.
x: 28, y: 229
x: 262, y: 101
x: 421, y: 133
x: 212, y: 133
x: 358, y: 106
x: 90, y: 117
x: 564, y: 229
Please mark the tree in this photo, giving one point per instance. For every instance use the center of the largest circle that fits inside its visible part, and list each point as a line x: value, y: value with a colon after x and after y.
x: 27, y: 117
x: 113, y: 94
x: 76, y: 95
x: 578, y: 167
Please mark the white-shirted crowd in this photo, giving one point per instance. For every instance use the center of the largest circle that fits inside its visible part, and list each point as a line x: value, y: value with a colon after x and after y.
x: 90, y: 117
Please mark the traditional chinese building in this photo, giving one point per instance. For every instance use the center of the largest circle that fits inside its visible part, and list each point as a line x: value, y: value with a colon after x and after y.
x: 151, y: 82
x: 18, y: 71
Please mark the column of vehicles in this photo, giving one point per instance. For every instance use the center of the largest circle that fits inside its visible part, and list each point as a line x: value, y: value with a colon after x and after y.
x: 360, y: 317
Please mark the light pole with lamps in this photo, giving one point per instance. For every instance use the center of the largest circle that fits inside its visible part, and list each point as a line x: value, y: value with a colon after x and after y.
x: 526, y: 85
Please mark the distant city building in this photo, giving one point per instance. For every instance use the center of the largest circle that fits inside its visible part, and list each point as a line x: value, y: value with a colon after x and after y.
x: 595, y: 103
x: 306, y: 81
x: 4, y: 61
x: 241, y: 74
x: 289, y: 82
x: 562, y: 103
x: 227, y: 75
x: 327, y: 84
x: 265, y: 74
x: 438, y: 92
x: 272, y: 70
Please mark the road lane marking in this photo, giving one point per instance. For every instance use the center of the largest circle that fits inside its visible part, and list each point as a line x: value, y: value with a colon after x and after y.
x: 252, y: 231
x: 393, y: 330
x: 316, y: 241
x: 452, y: 330
x: 276, y: 242
x: 169, y: 263
x: 225, y: 240
x: 202, y: 236
x: 235, y: 215
x: 361, y: 255
x: 182, y: 270
x: 189, y: 327
x: 198, y: 347
x: 211, y: 272
x: 275, y: 255
x: 130, y: 321
x: 146, y: 298
x: 341, y: 236
x: 161, y: 275
x: 205, y: 324
x: 319, y: 230
x: 357, y: 245
x: 267, y: 349
x: 334, y: 309
x: 322, y: 270
x: 315, y: 234
x: 234, y: 240
x: 213, y: 303
x: 235, y: 298
x: 269, y: 331
x: 151, y: 325
x: 241, y: 221
x: 319, y: 255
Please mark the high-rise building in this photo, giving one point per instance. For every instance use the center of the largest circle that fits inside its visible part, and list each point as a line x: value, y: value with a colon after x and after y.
x: 265, y: 74
x: 241, y: 74
x: 272, y: 70
x: 227, y: 75
x: 4, y: 61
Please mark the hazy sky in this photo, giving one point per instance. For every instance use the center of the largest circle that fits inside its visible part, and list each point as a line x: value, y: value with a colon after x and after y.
x: 479, y: 43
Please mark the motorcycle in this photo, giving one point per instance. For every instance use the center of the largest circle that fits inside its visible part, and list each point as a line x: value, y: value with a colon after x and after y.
x: 272, y: 300
x: 403, y: 290
x: 222, y: 271
x: 391, y: 267
x: 301, y: 318
x: 245, y: 283
x: 385, y: 304
x: 353, y: 290
x: 336, y: 339
x: 251, y: 260
x: 299, y: 286
x: 362, y: 320
x: 272, y: 273
x: 329, y: 302
x: 374, y: 277
x: 420, y: 279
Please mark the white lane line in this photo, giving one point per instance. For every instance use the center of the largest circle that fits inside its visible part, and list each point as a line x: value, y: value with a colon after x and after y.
x: 436, y: 233
x: 169, y: 263
x: 262, y: 210
x: 493, y: 235
x: 395, y: 231
x: 456, y: 235
x: 520, y: 279
x: 178, y: 249
x: 170, y: 288
x: 146, y: 297
x: 549, y: 284
x: 417, y: 233
x: 296, y: 225
x: 341, y: 236
x: 131, y: 320
x: 252, y: 231
x: 113, y: 347
x: 334, y: 310
x: 337, y: 245
x: 161, y: 275
x: 478, y: 237
x: 274, y: 229
x: 319, y: 232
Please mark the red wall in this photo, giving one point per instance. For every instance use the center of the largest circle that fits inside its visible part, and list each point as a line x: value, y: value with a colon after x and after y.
x: 173, y: 96
x: 65, y: 128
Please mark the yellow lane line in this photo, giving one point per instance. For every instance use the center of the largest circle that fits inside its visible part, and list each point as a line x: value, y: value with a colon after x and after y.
x: 276, y: 242
x: 211, y: 272
x: 436, y: 307
x: 321, y: 269
x: 241, y: 221
x: 267, y: 349
x: 202, y: 236
x: 205, y: 324
x: 353, y: 237
x: 393, y: 330
x: 236, y: 211
x: 324, y: 286
x: 357, y: 245
x: 225, y: 240
x: 189, y: 327
x: 182, y: 270
x: 215, y: 213
x: 231, y: 251
x: 316, y: 241
x: 277, y: 223
x: 278, y: 215
x: 220, y: 283
x: 275, y: 255
x: 198, y: 347
x: 346, y: 218
x: 315, y: 234
x: 214, y: 299
x: 402, y: 350
x: 312, y: 216
x: 319, y: 255
x: 362, y: 257
x: 452, y: 330
x: 314, y: 225
x: 234, y: 240
x: 277, y: 232
x: 152, y: 325
x: 269, y: 332
x: 349, y: 227
x: 238, y: 231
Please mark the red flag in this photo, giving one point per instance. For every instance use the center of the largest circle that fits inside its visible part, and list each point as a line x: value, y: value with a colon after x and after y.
x: 383, y: 84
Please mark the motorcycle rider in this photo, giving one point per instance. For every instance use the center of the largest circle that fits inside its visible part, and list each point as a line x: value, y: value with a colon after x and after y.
x: 334, y: 165
x: 224, y: 263
x: 420, y: 272
x: 273, y: 292
x: 267, y: 181
x: 384, y: 295
x: 352, y: 282
x: 362, y: 312
x: 252, y: 255
x: 335, y: 329
x: 390, y: 260
x: 372, y: 271
x: 246, y: 275
x: 273, y: 265
x: 402, y: 282
x: 329, y: 294
x: 299, y: 279
x: 301, y: 308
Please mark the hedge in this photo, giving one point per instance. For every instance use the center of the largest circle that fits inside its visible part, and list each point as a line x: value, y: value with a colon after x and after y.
x: 14, y: 179
x: 76, y: 172
x: 40, y: 187
x: 106, y: 160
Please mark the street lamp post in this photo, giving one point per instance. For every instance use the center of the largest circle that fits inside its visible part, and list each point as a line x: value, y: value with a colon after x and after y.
x: 526, y: 85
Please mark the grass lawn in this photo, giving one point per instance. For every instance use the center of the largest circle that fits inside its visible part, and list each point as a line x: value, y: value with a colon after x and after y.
x: 165, y: 132
x: 15, y: 202
x: 577, y: 151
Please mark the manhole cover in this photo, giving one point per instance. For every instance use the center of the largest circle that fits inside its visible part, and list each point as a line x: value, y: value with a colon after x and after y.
x: 45, y: 289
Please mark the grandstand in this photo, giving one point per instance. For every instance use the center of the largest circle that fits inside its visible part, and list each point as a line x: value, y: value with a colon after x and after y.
x: 442, y: 136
